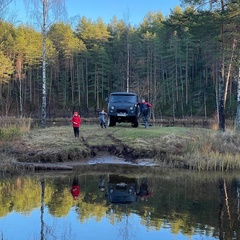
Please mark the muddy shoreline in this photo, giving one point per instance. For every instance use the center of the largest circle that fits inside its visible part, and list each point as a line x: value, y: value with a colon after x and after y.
x: 172, y: 147
x: 63, y: 160
x: 56, y: 149
x: 104, y: 159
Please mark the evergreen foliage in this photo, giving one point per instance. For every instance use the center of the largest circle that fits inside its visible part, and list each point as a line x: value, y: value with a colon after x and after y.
x: 176, y: 63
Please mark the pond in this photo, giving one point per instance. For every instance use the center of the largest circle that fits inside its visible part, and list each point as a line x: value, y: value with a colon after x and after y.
x: 120, y: 202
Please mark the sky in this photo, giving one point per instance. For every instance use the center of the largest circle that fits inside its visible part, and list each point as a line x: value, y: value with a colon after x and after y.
x: 131, y: 11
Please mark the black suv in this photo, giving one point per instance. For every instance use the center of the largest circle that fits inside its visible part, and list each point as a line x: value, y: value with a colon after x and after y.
x: 123, y: 107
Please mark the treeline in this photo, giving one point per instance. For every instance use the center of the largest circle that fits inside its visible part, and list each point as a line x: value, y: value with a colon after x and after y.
x: 183, y: 64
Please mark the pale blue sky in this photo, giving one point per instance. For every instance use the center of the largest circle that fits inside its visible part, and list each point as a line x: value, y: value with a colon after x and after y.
x: 131, y: 11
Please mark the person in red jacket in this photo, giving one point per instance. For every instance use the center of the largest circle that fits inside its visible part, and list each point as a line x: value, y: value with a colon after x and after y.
x: 76, y: 122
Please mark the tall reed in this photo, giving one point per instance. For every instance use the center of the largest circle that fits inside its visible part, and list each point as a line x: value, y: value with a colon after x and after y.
x: 214, y: 152
x: 12, y: 127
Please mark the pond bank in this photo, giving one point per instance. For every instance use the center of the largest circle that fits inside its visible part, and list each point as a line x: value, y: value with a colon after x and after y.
x: 177, y: 147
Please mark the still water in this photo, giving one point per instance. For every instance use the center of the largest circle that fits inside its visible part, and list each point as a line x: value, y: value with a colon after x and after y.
x: 123, y: 203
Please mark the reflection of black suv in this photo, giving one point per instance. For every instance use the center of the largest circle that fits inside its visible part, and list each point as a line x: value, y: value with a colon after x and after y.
x: 123, y: 107
x: 121, y: 190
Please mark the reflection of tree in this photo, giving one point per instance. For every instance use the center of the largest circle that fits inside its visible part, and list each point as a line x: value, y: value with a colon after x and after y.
x: 88, y: 210
x: 126, y: 229
x: 5, y: 198
x: 227, y: 205
x: 149, y: 222
x: 176, y: 226
x: 45, y: 229
x: 120, y: 218
x: 60, y: 203
x: 26, y: 194
x: 42, y: 208
x: 238, y: 208
x: 228, y: 220
x: 185, y: 205
x: 221, y: 204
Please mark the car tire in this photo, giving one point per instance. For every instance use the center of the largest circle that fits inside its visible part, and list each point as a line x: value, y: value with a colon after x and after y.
x: 111, y: 121
x: 135, y: 123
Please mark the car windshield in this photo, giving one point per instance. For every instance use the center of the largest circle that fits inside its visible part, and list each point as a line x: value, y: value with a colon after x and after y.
x: 123, y: 98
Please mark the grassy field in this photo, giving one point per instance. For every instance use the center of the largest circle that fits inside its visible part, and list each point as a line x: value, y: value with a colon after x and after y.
x: 178, y: 147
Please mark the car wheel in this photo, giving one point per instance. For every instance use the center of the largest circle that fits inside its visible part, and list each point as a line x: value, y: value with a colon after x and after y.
x: 111, y: 121
x: 135, y: 123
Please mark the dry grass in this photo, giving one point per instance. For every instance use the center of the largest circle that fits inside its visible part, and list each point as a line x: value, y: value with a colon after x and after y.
x: 11, y: 127
x: 9, y: 166
x: 216, y: 151
x: 22, y: 123
x: 192, y: 148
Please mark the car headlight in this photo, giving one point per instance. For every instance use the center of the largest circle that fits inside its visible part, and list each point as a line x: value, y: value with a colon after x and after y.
x: 131, y: 108
x: 112, y: 107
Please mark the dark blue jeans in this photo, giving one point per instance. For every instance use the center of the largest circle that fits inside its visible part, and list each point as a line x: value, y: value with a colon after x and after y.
x: 145, y: 120
x: 102, y: 124
x: 76, y: 132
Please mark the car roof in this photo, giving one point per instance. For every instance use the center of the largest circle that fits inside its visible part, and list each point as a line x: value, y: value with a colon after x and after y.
x: 123, y: 93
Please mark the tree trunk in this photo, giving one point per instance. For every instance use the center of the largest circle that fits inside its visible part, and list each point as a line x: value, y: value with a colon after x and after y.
x: 237, y: 120
x: 19, y: 67
x: 44, y: 93
x: 229, y: 70
x: 221, y: 110
x: 221, y: 113
x: 128, y: 63
x: 20, y: 98
x: 72, y: 79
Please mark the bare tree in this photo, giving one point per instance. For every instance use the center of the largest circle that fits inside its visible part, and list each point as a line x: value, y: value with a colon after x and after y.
x: 46, y: 12
x: 4, y: 10
x: 4, y: 4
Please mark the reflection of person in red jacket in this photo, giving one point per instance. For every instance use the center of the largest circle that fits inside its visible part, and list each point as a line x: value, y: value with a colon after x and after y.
x: 75, y: 190
x: 76, y: 122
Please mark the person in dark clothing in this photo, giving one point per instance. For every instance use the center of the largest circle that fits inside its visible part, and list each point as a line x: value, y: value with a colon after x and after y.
x: 143, y: 190
x: 76, y: 123
x: 75, y: 190
x: 145, y: 111
x: 102, y: 121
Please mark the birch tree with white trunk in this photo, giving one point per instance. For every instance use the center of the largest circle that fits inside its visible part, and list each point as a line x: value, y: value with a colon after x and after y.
x: 45, y: 13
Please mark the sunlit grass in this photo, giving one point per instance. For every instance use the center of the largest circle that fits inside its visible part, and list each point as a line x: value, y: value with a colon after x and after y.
x: 216, y: 151
x: 179, y: 147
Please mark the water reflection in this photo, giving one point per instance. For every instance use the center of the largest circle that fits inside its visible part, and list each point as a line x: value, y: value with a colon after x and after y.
x: 101, y: 183
x: 42, y: 208
x: 154, y: 205
x: 121, y: 190
x: 143, y: 193
x: 75, y: 190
